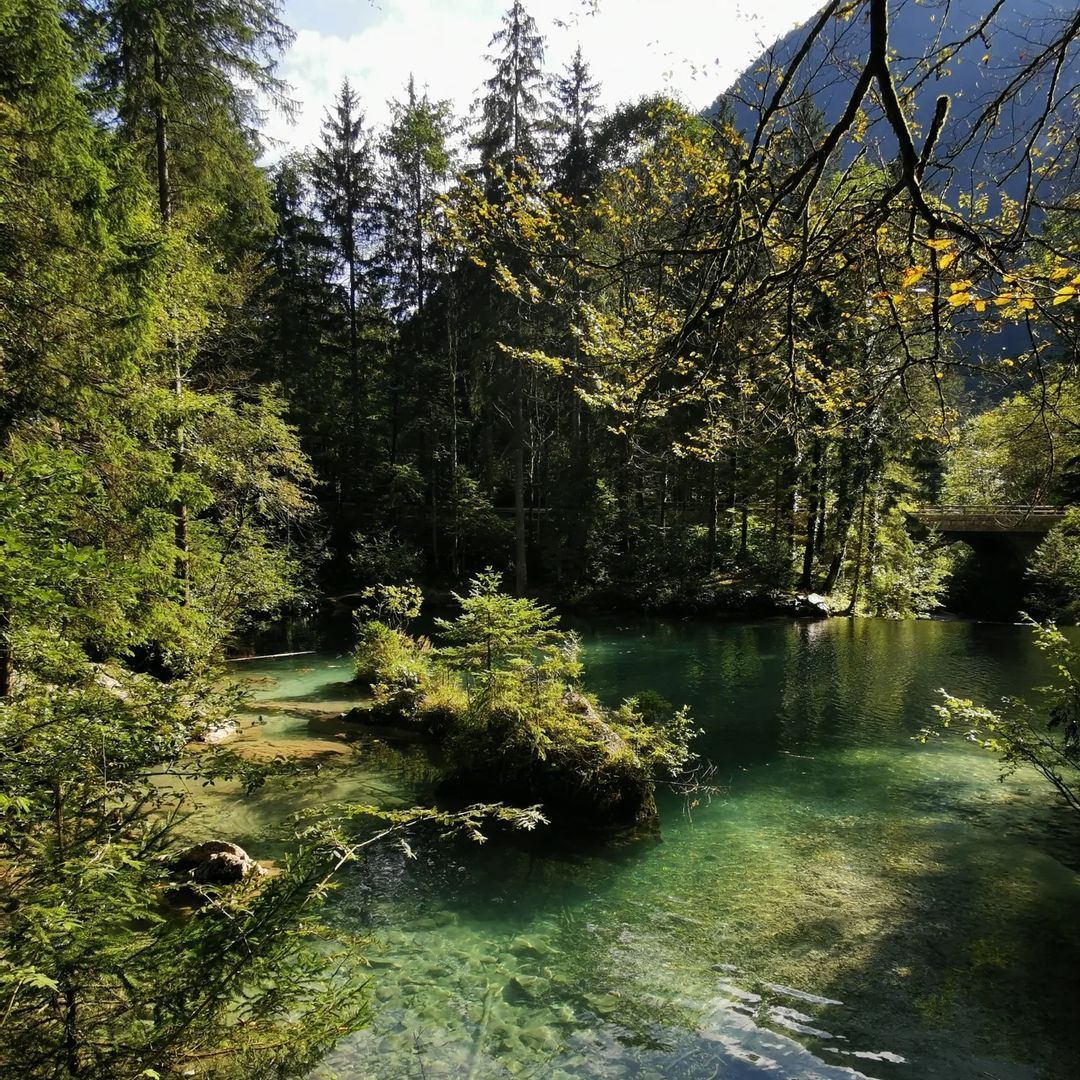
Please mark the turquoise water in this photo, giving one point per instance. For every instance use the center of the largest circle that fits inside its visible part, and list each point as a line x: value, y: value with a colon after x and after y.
x: 851, y: 904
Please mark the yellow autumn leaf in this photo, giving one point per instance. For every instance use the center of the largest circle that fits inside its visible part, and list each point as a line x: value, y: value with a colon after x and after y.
x: 911, y: 275
x: 1063, y: 296
x: 941, y: 244
x: 958, y: 299
x: 946, y: 260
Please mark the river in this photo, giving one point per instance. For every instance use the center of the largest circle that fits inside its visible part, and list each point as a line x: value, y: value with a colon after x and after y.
x: 852, y: 903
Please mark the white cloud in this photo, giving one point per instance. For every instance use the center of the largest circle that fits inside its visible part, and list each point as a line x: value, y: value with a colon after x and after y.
x: 688, y: 47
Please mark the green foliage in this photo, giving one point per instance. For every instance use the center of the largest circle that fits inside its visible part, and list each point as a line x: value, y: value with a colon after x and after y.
x: 416, y: 149
x: 1013, y: 453
x: 497, y: 634
x: 395, y: 605
x: 1044, y: 735
x: 383, y: 556
x: 100, y: 977
x: 503, y: 695
x: 657, y: 732
x: 102, y: 303
x: 1054, y: 571
x: 389, y: 658
x: 214, y: 76
x: 101, y: 974
x: 910, y: 576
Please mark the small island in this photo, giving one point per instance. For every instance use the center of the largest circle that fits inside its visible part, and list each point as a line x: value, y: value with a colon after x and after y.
x: 503, y: 697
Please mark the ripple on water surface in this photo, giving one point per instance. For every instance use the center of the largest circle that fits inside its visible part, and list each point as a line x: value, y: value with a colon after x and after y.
x: 854, y: 904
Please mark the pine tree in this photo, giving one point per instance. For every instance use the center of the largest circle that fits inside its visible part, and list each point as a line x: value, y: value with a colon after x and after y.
x: 509, y: 142
x: 182, y: 81
x: 302, y: 316
x: 343, y: 176
x: 511, y: 111
x: 417, y: 160
x: 98, y: 982
x: 54, y: 289
x: 186, y: 79
x: 572, y: 119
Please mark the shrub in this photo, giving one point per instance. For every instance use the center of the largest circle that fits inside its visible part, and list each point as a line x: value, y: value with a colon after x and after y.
x: 659, y: 733
x: 385, y: 655
x: 1054, y: 571
x: 910, y: 576
x: 1044, y: 736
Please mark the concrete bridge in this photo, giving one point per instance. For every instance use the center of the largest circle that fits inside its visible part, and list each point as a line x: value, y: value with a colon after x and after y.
x: 995, y: 531
x: 1019, y: 528
x: 1002, y: 537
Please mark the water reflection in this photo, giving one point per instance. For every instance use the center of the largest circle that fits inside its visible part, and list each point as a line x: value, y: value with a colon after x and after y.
x: 856, y: 904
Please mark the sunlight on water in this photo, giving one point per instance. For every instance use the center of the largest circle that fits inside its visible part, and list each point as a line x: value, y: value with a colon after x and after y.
x: 853, y: 904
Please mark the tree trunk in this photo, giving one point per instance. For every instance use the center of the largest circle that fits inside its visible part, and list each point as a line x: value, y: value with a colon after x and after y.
x: 161, y: 148
x: 714, y: 509
x: 866, y: 564
x: 7, y: 671
x: 857, y: 572
x: 813, y: 503
x: 521, y: 576
x: 354, y: 359
x: 845, y: 513
x: 452, y: 379
x: 71, y: 1031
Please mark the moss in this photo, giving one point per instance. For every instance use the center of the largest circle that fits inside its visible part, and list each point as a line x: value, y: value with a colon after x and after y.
x: 572, y: 760
x: 503, y: 699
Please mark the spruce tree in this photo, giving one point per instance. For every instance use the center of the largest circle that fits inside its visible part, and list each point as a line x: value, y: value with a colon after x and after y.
x: 572, y: 120
x: 342, y: 172
x: 302, y: 319
x: 186, y: 80
x: 417, y: 163
x: 508, y: 143
x: 511, y: 110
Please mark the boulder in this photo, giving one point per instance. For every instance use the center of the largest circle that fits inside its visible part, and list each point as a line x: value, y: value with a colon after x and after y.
x: 217, y: 733
x: 811, y: 605
x: 595, y: 785
x: 215, y: 862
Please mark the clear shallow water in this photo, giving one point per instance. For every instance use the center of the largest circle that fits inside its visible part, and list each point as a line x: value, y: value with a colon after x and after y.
x: 853, y: 904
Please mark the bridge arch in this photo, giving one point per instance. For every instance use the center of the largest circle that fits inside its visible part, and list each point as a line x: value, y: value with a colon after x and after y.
x: 1003, y: 539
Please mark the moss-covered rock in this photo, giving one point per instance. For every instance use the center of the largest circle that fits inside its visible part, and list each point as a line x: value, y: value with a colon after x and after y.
x: 583, y: 772
x: 502, y: 696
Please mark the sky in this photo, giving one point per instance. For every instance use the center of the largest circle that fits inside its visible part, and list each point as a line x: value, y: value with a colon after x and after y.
x: 691, y: 48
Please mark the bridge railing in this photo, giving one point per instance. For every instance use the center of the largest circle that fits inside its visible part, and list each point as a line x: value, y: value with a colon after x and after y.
x: 988, y: 509
x: 988, y: 517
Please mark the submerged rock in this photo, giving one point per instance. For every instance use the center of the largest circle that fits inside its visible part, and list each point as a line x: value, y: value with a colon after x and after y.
x: 596, y: 783
x: 526, y: 988
x: 523, y: 946
x: 217, y: 733
x: 215, y: 862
